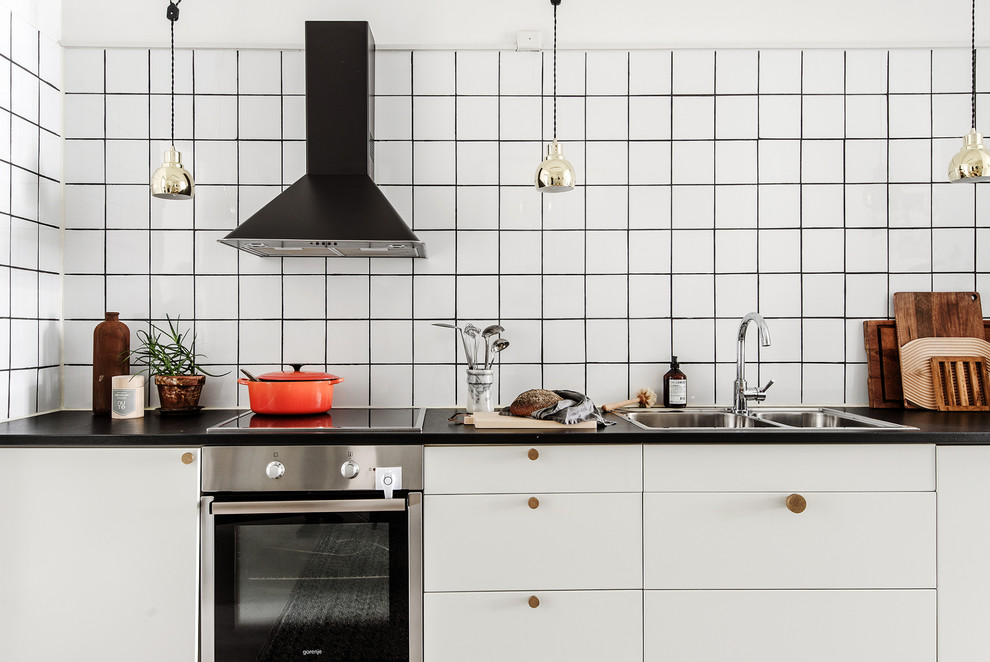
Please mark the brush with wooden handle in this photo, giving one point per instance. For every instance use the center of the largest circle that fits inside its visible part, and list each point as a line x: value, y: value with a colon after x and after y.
x: 645, y: 398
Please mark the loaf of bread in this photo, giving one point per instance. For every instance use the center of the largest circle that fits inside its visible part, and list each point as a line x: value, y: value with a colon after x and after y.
x: 533, y: 400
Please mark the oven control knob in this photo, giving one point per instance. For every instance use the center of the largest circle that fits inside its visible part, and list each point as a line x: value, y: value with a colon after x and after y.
x: 350, y: 469
x: 275, y: 469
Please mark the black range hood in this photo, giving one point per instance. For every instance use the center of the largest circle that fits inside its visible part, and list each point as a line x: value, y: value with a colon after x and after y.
x: 335, y: 209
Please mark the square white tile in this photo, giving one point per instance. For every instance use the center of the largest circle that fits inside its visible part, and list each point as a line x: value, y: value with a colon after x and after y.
x: 823, y: 71
x: 607, y: 208
x: 84, y: 69
x: 607, y: 340
x: 127, y: 251
x: 693, y: 159
x: 693, y: 118
x: 484, y: 157
x: 822, y: 205
x: 779, y: 251
x: 433, y: 72
x: 479, y: 253
x: 866, y: 297
x: 606, y: 163
x: 649, y: 118
x: 649, y: 162
x: 520, y: 297
x: 823, y: 295
x: 433, y: 297
x: 519, y: 253
x: 822, y: 250
x: 393, y: 72
x: 518, y: 208
x: 127, y: 116
x: 434, y: 207
x: 649, y: 72
x: 563, y: 342
x: 128, y: 70
x: 866, y: 161
x: 606, y: 295
x: 649, y: 207
x: 161, y: 71
x: 520, y: 118
x: 822, y: 161
x: 735, y: 294
x: 953, y: 249
x: 780, y: 116
x: 607, y: 118
x: 951, y: 70
x: 866, y: 250
x: 171, y: 296
x: 910, y: 160
x: 780, y: 161
x: 735, y: 162
x: 563, y: 252
x: 909, y: 70
x: 84, y: 115
x: 736, y: 117
x: 570, y: 73
x: 477, y: 297
x: 949, y: 112
x: 571, y: 305
x: 693, y: 296
x: 215, y: 71
x: 692, y: 207
x: 866, y: 116
x: 606, y: 252
x: 866, y: 205
x: 823, y: 116
x: 866, y: 71
x: 259, y: 72
x: 607, y: 72
x: 393, y: 162
x: 736, y: 206
x: 823, y: 340
x: 736, y: 71
x: 910, y: 250
x: 693, y: 72
x: 693, y: 341
x: 477, y: 117
x: 259, y: 162
x: 477, y: 72
x: 780, y: 71
x: 259, y: 117
x: 649, y: 251
x: 780, y: 295
x: 216, y: 117
x: 910, y: 115
x: 520, y: 73
x: 735, y: 251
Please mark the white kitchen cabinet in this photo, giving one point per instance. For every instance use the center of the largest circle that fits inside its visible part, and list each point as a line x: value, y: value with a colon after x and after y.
x: 751, y: 540
x: 790, y: 626
x: 565, y: 626
x: 99, y: 550
x: 543, y: 468
x: 500, y: 542
x: 963, y: 553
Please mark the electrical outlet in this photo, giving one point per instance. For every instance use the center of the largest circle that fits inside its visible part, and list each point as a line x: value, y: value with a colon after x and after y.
x: 529, y: 40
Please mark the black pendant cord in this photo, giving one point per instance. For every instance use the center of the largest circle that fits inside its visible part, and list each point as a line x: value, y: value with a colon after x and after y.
x: 172, y: 14
x: 555, y: 3
x: 973, y: 40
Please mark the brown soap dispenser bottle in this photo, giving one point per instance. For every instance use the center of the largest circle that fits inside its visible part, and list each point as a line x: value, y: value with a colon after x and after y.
x: 675, y: 386
x: 111, y: 349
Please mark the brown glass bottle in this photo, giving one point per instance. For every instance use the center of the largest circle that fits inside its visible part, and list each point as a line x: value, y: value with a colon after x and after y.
x: 111, y: 344
x: 674, y: 386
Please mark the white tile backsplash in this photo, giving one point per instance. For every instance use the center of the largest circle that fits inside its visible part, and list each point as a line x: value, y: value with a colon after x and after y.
x: 793, y: 181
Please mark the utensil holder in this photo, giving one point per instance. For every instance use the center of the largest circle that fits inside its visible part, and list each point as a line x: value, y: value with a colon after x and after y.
x: 480, y: 390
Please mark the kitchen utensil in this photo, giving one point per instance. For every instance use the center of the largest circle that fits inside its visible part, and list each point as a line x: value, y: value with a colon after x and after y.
x: 473, y: 331
x: 249, y: 375
x: 497, y: 347
x: 916, y: 368
x: 884, y: 365
x: 491, y: 330
x: 646, y: 397
x: 494, y: 420
x: 291, y: 392
x: 460, y: 331
x: 960, y: 383
x: 937, y: 315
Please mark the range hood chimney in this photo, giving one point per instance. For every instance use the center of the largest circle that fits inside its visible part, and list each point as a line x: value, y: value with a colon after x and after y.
x: 335, y: 209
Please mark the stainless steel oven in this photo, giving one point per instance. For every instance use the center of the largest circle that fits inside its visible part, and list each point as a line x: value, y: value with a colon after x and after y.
x: 312, y: 553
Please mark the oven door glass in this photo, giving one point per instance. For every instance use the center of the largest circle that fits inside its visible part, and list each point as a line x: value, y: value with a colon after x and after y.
x: 311, y: 586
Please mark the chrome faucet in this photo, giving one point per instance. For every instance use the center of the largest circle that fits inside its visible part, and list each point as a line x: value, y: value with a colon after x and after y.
x: 743, y: 394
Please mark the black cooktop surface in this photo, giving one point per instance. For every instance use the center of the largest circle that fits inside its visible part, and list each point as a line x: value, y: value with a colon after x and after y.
x: 372, y: 419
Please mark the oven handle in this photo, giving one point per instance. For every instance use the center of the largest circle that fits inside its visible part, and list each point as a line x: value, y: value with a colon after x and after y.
x: 287, y: 507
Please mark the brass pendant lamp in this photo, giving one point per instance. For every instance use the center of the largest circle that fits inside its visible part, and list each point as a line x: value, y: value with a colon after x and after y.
x: 972, y: 162
x: 171, y: 181
x: 555, y: 174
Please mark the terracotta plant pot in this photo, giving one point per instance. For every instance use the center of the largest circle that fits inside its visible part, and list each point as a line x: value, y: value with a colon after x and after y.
x: 179, y: 391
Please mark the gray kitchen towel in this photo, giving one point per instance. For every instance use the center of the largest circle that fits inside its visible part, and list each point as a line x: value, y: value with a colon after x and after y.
x: 574, y: 408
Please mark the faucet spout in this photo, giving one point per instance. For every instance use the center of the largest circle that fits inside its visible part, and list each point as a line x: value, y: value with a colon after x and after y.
x: 743, y: 394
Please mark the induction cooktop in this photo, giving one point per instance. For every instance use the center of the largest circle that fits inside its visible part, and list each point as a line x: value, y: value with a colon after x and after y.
x: 366, y: 419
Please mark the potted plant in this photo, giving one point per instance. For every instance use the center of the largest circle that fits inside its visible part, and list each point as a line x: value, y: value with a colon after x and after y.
x: 169, y: 356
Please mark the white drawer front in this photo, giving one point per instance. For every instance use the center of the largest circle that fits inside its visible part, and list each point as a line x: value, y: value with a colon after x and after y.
x: 789, y: 626
x: 509, y: 469
x: 498, y: 542
x: 751, y: 540
x: 571, y: 626
x: 771, y: 467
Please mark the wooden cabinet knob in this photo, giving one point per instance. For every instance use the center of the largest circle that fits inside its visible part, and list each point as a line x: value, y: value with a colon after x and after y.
x: 533, y: 453
x: 187, y: 458
x: 796, y: 503
x: 534, y: 503
x: 534, y: 601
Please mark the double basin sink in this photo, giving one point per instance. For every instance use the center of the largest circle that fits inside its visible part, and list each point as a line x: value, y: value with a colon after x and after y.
x: 804, y: 418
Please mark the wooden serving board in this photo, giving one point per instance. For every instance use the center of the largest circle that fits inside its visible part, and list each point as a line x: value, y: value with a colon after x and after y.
x: 960, y: 383
x: 884, y: 364
x: 494, y: 420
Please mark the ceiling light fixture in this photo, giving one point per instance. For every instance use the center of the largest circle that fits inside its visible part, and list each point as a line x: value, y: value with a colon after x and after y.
x: 171, y: 181
x: 555, y: 174
x: 971, y: 163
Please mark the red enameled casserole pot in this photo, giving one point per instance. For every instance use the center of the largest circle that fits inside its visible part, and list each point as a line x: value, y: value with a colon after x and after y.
x: 291, y: 392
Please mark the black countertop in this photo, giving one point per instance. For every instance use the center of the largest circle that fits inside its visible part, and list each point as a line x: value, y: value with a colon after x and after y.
x: 82, y: 428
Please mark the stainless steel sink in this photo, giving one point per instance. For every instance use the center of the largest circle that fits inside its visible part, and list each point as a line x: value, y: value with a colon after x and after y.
x: 817, y: 417
x: 804, y: 418
x: 692, y: 418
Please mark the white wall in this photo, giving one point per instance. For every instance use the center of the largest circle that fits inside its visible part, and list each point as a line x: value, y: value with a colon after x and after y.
x: 582, y: 23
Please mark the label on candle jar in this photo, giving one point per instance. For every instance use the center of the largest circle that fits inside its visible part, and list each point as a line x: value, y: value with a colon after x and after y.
x: 127, y: 396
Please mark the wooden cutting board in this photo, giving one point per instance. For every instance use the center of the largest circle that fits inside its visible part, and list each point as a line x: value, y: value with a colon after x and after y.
x: 494, y: 420
x: 884, y: 364
x: 937, y: 315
